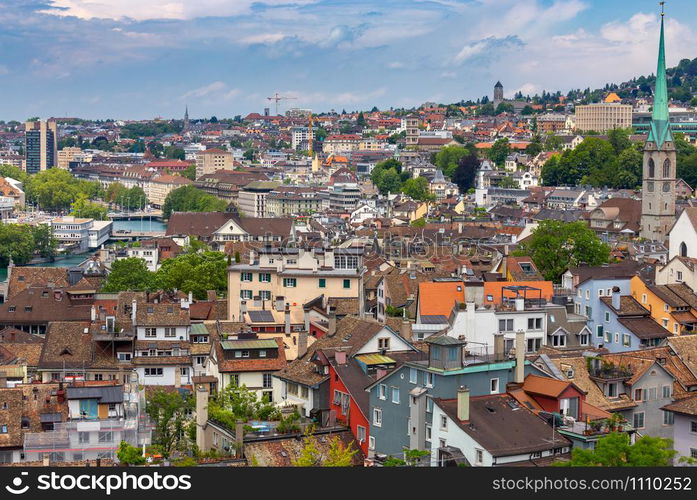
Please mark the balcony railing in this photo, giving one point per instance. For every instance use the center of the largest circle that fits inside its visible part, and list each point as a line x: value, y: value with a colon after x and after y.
x: 611, y: 372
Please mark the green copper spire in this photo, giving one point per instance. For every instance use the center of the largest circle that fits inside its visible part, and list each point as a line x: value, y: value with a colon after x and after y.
x: 660, y: 121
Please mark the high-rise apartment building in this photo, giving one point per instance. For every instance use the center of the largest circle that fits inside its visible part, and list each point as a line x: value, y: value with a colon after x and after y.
x: 603, y: 116
x: 211, y: 160
x: 40, y: 145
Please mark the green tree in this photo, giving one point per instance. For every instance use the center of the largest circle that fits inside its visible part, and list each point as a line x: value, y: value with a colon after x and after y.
x: 189, y: 172
x: 129, y: 455
x: 555, y: 246
x: 499, y: 151
x: 129, y: 274
x: 449, y: 158
x: 132, y: 199
x: 418, y: 222
x: 168, y: 412
x: 338, y: 455
x: 195, y: 272
x: 508, y: 182
x: 535, y: 147
x: 417, y: 189
x: 619, y: 139
x: 237, y: 403
x: 553, y: 143
x: 174, y: 152
x: 504, y: 107
x: 16, y: 241
x: 360, y: 121
x: 45, y: 243
x: 114, y: 192
x: 13, y: 172
x: 86, y: 209
x: 191, y: 199
x: 466, y: 172
x: 386, y: 181
x: 616, y: 450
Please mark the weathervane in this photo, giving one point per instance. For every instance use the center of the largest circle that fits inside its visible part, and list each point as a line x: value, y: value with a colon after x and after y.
x: 662, y: 4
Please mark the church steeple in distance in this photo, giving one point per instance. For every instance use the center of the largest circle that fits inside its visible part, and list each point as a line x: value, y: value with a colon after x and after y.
x: 659, y: 171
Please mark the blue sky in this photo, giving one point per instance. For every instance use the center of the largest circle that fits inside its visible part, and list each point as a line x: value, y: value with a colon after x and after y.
x: 136, y: 59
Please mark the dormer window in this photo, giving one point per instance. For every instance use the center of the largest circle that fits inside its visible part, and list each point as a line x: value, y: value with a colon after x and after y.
x: 150, y: 309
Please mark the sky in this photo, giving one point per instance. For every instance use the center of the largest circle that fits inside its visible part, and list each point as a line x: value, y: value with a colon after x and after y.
x: 140, y: 59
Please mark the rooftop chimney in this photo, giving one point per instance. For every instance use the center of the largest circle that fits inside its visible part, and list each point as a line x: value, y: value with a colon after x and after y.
x: 302, y: 343
x: 134, y: 305
x: 405, y: 330
x: 286, y: 315
x: 499, y: 355
x: 616, y: 297
x: 520, y: 356
x: 340, y: 357
x: 201, y: 416
x: 93, y: 314
x: 463, y: 403
x: 306, y: 317
x: 520, y: 304
x: 332, y: 324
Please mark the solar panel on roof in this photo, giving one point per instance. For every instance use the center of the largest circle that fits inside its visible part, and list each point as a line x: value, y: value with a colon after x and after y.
x: 433, y: 319
x: 261, y: 316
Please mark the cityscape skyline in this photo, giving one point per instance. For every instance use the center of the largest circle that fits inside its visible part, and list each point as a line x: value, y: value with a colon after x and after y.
x: 74, y: 58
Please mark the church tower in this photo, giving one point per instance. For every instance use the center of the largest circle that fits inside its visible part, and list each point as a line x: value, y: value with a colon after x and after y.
x: 186, y: 119
x: 498, y: 94
x: 659, y: 171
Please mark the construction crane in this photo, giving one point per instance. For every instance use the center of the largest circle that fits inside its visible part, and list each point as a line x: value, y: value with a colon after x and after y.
x: 277, y: 98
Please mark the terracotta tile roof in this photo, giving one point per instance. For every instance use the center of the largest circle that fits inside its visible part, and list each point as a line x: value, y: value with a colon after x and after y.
x: 629, y: 306
x: 686, y: 406
x: 148, y: 314
x: 30, y: 353
x: 67, y: 345
x: 675, y: 365
x: 545, y: 386
x: 29, y: 401
x: 283, y: 452
x: 438, y: 298
x: 41, y: 305
x: 24, y: 277
x: 201, y: 224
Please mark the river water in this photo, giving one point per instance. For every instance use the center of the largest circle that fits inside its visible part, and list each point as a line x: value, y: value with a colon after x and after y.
x: 119, y: 225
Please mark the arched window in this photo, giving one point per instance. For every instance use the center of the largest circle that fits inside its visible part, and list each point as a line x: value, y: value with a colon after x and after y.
x: 683, y: 249
x: 666, y: 168
x: 652, y: 168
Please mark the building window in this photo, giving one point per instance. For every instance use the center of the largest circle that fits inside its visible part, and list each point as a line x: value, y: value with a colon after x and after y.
x: 153, y: 372
x: 361, y: 433
x: 246, y: 294
x: 443, y: 423
x: 413, y: 375
x: 429, y: 404
x: 693, y: 427
x: 559, y: 340
x: 583, y: 339
x: 290, y: 282
x: 395, y: 395
x: 612, y: 390
x: 626, y: 340
x: 479, y: 457
x: 262, y: 353
x: 639, y: 420
x: 506, y: 325
x: 607, y: 317
x: 638, y: 395
x: 428, y: 432
x: 377, y: 417
x: 170, y: 332
x: 267, y: 379
x: 667, y: 417
x: 382, y: 391
x: 599, y: 331
x: 323, y: 283
x: 246, y: 277
x: 106, y: 437
x: 371, y: 442
x: 184, y: 371
x: 347, y: 283
x: 667, y: 391
x: 494, y: 386
x: 384, y: 344
x: 151, y: 332
x: 83, y: 437
x: 533, y: 345
x: 534, y: 323
x: 265, y: 277
x: 429, y: 379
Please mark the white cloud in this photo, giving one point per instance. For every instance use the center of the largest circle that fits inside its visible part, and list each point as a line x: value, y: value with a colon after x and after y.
x: 216, y: 91
x: 141, y: 10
